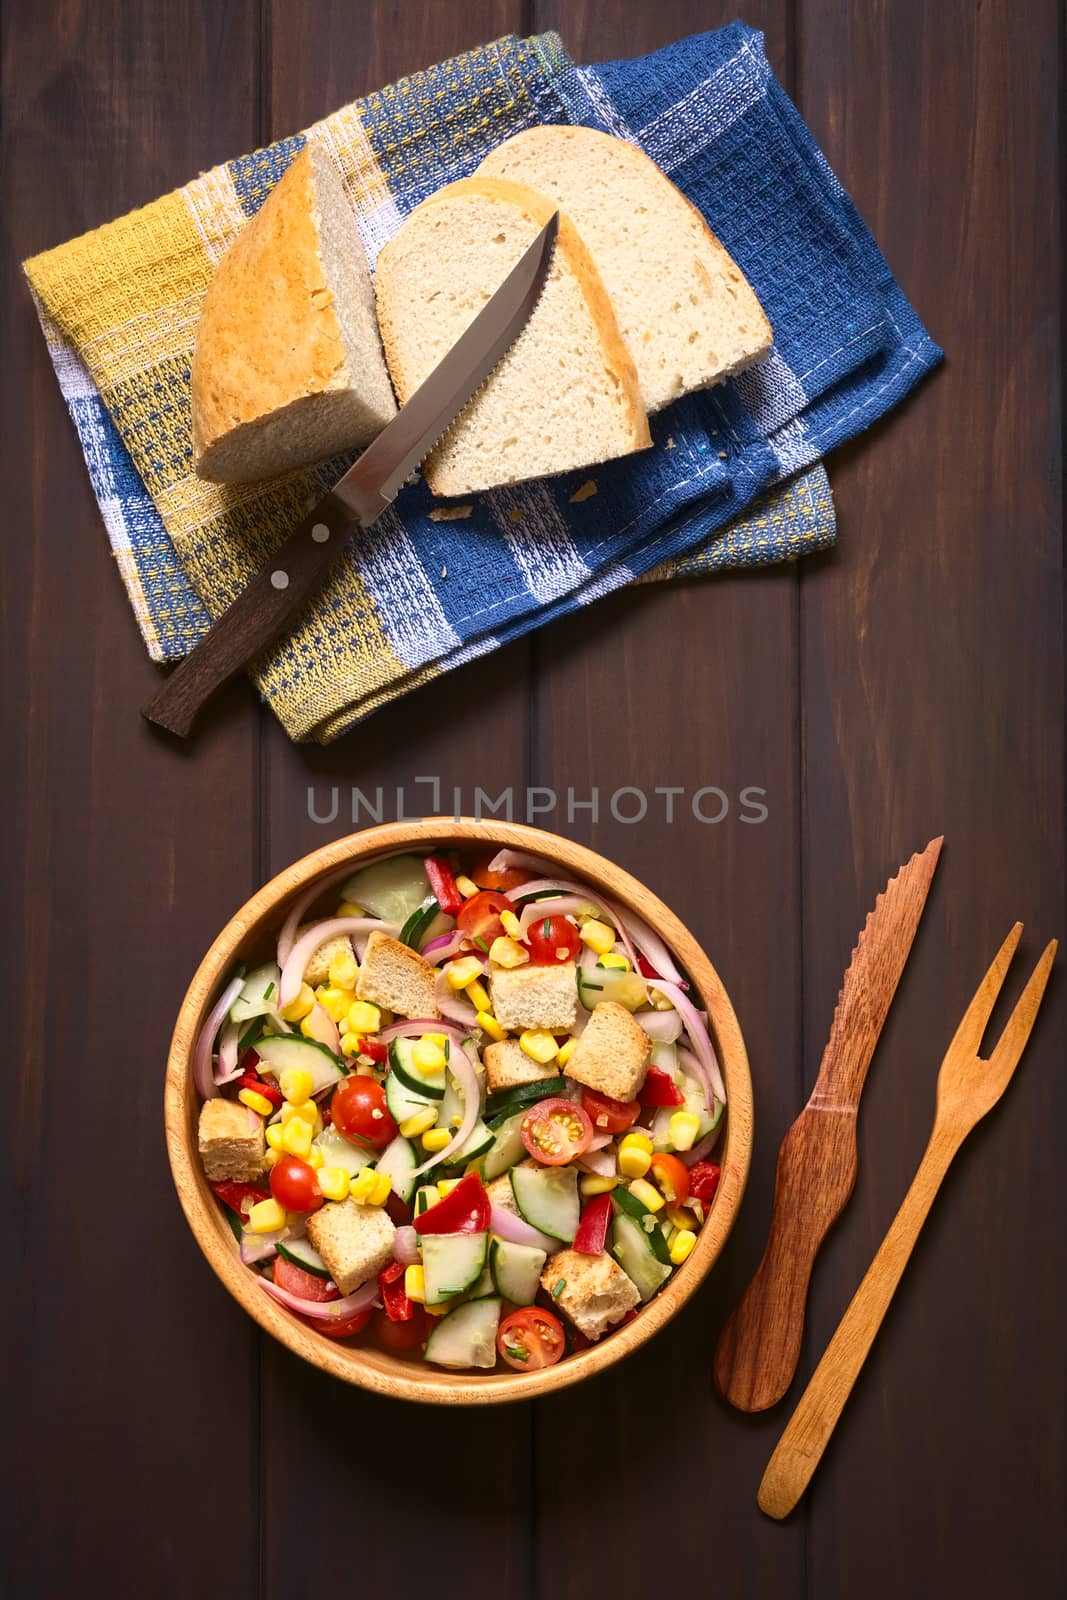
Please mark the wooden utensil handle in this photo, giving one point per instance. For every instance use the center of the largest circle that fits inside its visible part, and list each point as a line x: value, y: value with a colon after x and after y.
x: 264, y: 609
x: 811, y: 1426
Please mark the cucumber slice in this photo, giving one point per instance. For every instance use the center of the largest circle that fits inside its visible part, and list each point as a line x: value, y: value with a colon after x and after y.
x: 337, y: 1152
x: 276, y: 1051
x: 646, y: 1221
x: 507, y: 1148
x: 439, y: 924
x: 694, y: 1101
x: 547, y: 1197
x: 303, y: 1254
x: 429, y: 1085
x: 452, y: 1102
x: 664, y: 1056
x: 627, y: 989
x: 402, y: 1101
x: 479, y: 1141
x: 633, y: 1250
x: 467, y: 1336
x: 259, y: 997
x: 516, y: 1270
x: 399, y: 1161
x: 417, y: 926
x: 391, y: 889
x: 484, y: 1286
x: 452, y: 1262
x: 425, y: 1196
x: 506, y: 1101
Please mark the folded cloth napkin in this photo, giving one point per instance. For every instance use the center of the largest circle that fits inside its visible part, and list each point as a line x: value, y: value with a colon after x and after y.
x: 416, y: 594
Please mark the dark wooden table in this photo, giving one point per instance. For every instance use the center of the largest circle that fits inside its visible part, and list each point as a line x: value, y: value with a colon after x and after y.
x: 909, y: 683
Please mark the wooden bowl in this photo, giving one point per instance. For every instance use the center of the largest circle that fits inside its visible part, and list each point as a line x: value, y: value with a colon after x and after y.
x: 253, y: 929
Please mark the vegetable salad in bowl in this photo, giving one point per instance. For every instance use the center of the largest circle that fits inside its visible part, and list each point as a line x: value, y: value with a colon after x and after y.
x: 470, y: 1115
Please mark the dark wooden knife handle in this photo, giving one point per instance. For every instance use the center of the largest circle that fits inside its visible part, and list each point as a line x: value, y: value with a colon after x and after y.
x: 759, y: 1348
x: 263, y: 610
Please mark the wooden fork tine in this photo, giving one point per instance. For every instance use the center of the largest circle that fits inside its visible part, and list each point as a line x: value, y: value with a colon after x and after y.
x: 968, y: 1035
x: 1017, y: 1029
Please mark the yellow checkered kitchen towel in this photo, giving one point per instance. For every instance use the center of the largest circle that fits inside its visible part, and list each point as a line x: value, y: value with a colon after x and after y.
x: 414, y: 596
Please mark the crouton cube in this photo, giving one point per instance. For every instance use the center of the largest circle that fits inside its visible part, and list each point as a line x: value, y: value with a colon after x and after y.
x: 230, y: 1139
x: 592, y: 1291
x: 535, y: 997
x: 355, y: 1241
x: 612, y: 1054
x: 507, y: 1064
x: 396, y: 976
x: 318, y: 968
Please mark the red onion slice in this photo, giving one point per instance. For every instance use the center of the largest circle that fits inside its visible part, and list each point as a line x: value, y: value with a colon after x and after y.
x: 406, y: 1246
x: 405, y: 1030
x: 325, y: 1310
x: 226, y: 1068
x: 443, y: 947
x: 662, y: 1027
x: 203, y: 1076
x: 600, y: 1161
x: 299, y: 908
x: 453, y: 1005
x: 689, y: 1158
x: 261, y: 1246
x: 295, y: 964
x: 561, y: 906
x: 463, y: 1065
x: 699, y: 1037
x: 519, y: 861
x: 517, y: 1231
x: 322, y: 1027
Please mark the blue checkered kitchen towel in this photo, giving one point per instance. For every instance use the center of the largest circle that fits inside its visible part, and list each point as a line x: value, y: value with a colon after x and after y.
x: 732, y: 478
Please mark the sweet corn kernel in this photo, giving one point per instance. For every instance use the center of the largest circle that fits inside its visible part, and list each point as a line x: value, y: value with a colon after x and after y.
x: 295, y: 1084
x: 270, y: 1157
x: 679, y: 1217
x: 478, y: 995
x: 539, y: 1045
x: 350, y: 1044
x: 411, y: 1127
x: 681, y: 1246
x: 364, y: 1018
x: 636, y: 1141
x: 488, y: 1024
x: 592, y: 1184
x: 566, y: 1050
x: 415, y: 1284
x: 298, y: 1009
x: 274, y: 1136
x: 333, y: 1181
x: 428, y: 1056
x: 446, y: 1185
x: 349, y: 908
x: 304, y: 1111
x: 508, y: 952
x: 511, y: 924
x: 659, y: 1001
x: 635, y: 1155
x: 682, y: 1130
x: 315, y: 1157
x: 436, y: 1139
x: 255, y: 1101
x: 439, y: 1039
x: 442, y: 1309
x: 598, y: 936
x: 344, y: 970
x: 296, y: 1137
x: 647, y: 1193
x: 265, y: 1216
x: 361, y: 1186
x: 383, y: 1188
x: 335, y: 1002
x: 466, y: 886
x: 614, y: 963
x: 460, y: 973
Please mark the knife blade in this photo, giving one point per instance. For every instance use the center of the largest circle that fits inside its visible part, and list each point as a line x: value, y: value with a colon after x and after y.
x: 759, y: 1347
x: 283, y: 586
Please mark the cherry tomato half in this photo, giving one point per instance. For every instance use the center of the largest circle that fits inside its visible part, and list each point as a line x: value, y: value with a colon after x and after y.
x: 671, y: 1179
x: 552, y: 941
x: 305, y: 1285
x: 505, y: 878
x: 610, y: 1116
x: 360, y: 1113
x: 344, y: 1327
x: 294, y: 1185
x: 530, y: 1339
x: 555, y: 1131
x: 409, y: 1335
x: 480, y: 917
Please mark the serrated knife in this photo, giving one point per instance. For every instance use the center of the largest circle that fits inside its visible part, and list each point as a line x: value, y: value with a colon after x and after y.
x: 284, y: 585
x: 759, y: 1347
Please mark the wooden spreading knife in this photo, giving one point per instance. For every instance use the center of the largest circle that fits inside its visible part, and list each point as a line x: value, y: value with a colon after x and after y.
x: 280, y: 590
x: 759, y: 1347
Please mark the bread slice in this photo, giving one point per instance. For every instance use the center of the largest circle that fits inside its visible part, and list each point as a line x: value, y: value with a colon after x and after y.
x: 684, y: 307
x: 288, y: 366
x: 396, y: 976
x: 566, y: 395
x: 535, y: 997
x: 612, y: 1054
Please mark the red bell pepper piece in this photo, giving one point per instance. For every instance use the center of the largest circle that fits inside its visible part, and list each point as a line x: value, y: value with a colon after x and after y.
x: 443, y: 883
x: 645, y: 968
x: 269, y: 1091
x: 660, y: 1089
x: 240, y: 1197
x: 593, y: 1228
x: 374, y: 1049
x: 398, y: 1308
x: 704, y: 1180
x: 465, y: 1209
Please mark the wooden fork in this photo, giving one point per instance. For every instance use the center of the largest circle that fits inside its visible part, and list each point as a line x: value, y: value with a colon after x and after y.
x: 968, y: 1087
